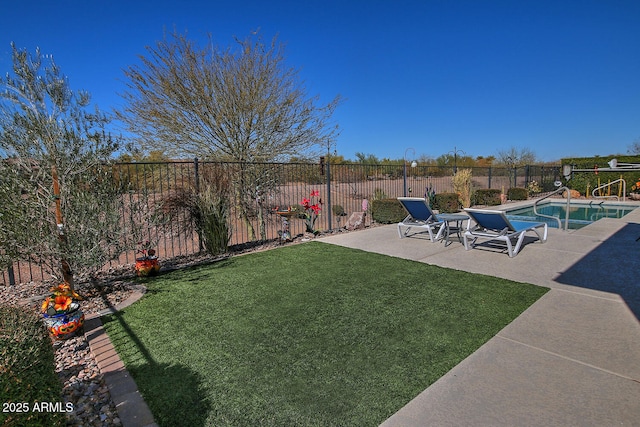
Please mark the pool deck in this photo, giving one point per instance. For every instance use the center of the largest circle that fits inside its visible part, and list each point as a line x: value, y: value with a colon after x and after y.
x: 572, y: 358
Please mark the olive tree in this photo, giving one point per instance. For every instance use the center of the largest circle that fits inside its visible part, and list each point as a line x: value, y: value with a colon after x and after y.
x: 240, y: 104
x: 60, y: 207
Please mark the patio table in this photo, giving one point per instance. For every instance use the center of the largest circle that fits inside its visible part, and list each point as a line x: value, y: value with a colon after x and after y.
x: 448, y: 219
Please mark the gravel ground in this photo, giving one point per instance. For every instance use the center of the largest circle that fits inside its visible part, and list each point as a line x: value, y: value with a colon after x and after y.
x: 83, y: 383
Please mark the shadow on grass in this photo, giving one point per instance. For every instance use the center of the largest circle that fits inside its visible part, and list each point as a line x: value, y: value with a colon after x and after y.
x: 174, y: 393
x: 611, y: 267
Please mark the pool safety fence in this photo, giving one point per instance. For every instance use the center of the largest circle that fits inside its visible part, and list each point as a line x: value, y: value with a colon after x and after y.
x: 256, y: 191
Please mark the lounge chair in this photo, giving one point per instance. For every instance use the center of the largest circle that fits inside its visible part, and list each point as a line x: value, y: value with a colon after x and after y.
x: 420, y: 216
x: 494, y: 225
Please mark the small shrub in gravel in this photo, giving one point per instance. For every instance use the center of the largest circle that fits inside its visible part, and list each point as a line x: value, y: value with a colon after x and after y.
x: 387, y: 211
x: 27, y: 370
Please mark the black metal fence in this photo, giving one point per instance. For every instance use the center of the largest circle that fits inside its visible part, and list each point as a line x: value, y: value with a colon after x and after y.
x: 342, y: 189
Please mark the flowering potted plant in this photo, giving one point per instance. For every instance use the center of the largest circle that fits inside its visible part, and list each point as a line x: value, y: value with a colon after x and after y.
x: 311, y: 212
x: 61, y: 314
x: 147, y: 264
x: 635, y: 191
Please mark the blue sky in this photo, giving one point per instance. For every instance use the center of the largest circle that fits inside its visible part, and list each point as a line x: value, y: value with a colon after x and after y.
x: 561, y: 78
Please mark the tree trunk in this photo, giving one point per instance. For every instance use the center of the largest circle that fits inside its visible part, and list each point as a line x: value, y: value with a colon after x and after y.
x: 67, y: 274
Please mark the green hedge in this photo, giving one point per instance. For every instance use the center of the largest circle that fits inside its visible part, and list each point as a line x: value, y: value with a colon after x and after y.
x: 27, y: 369
x: 447, y: 203
x: 387, y: 211
x: 517, y: 193
x: 487, y: 196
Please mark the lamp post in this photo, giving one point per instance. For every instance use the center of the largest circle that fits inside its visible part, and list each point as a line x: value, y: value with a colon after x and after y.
x: 413, y: 165
x: 455, y: 158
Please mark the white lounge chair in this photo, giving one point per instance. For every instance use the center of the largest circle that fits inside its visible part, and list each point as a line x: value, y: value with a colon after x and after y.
x: 494, y: 225
x: 420, y: 216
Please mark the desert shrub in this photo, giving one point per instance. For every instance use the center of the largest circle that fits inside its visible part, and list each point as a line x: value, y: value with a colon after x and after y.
x: 387, y: 211
x: 487, y: 196
x: 300, y: 209
x: 533, y: 187
x: 212, y: 221
x: 447, y: 202
x: 205, y: 212
x: 338, y: 210
x: 517, y: 193
x: 462, y: 186
x: 347, y: 173
x: 27, y: 368
x: 309, y: 173
x: 379, y: 194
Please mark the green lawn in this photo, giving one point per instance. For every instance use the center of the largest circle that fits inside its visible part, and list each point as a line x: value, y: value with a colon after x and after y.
x: 305, y: 335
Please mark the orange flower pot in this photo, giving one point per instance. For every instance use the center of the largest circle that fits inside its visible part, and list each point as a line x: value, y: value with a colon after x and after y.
x: 147, y: 266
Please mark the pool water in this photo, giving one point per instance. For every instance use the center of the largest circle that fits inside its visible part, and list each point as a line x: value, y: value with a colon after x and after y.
x: 580, y: 215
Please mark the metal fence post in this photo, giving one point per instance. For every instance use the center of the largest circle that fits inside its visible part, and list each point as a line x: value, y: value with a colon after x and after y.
x: 197, y: 175
x: 197, y: 187
x: 329, y: 210
x: 12, y: 277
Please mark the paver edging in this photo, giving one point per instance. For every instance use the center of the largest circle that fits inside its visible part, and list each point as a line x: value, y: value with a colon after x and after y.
x: 132, y: 409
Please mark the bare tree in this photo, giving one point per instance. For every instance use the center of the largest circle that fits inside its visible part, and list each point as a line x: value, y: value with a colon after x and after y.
x: 514, y: 157
x: 635, y: 147
x: 241, y: 105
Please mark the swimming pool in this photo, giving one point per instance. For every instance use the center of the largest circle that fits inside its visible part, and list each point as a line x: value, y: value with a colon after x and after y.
x: 580, y: 214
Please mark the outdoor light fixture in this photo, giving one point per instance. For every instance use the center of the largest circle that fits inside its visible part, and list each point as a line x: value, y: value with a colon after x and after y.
x: 455, y: 158
x: 614, y: 166
x: 413, y: 165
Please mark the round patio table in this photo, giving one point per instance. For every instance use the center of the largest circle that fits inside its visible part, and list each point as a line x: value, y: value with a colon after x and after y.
x: 448, y: 219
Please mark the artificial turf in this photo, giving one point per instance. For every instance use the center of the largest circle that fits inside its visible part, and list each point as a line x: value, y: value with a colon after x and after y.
x: 305, y: 335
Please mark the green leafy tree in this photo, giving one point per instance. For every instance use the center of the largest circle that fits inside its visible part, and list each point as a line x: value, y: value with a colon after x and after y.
x: 59, y: 207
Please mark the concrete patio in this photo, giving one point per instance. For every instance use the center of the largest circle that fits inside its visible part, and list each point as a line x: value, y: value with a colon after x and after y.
x: 573, y: 358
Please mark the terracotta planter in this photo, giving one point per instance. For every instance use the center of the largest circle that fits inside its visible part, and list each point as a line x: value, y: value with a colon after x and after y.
x: 147, y: 266
x: 65, y: 325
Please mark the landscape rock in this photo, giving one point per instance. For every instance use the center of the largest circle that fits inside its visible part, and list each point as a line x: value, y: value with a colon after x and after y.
x: 574, y: 194
x: 356, y: 221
